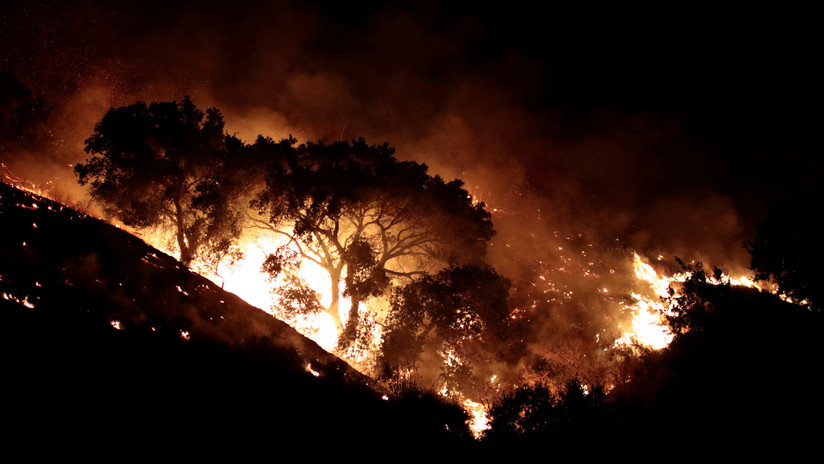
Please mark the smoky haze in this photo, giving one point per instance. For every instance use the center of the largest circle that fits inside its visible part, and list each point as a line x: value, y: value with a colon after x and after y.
x: 668, y: 135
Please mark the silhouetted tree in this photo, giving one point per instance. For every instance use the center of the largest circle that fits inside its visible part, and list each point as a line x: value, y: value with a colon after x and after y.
x: 691, y: 307
x: 732, y: 365
x: 365, y: 217
x: 161, y: 165
x: 538, y: 414
x: 787, y: 249
x: 459, y: 314
x: 425, y: 408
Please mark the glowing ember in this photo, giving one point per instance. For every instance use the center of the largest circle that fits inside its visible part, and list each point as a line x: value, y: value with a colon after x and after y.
x: 312, y: 371
x: 25, y: 301
x: 116, y: 324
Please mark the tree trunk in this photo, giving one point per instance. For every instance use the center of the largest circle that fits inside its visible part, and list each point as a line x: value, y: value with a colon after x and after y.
x: 334, y: 307
x: 185, y: 250
x: 350, y: 332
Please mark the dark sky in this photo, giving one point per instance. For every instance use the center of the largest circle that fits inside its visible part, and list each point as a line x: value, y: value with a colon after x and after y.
x: 669, y: 128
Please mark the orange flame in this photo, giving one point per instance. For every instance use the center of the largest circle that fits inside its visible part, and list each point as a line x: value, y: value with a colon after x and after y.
x: 648, y: 325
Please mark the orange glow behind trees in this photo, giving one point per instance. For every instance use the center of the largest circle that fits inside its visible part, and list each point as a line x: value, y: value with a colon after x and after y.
x: 159, y: 165
x: 321, y: 234
x: 365, y: 218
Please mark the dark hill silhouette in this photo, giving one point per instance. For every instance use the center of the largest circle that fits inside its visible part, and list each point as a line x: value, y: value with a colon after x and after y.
x: 110, y: 345
x: 741, y: 378
x: 739, y: 383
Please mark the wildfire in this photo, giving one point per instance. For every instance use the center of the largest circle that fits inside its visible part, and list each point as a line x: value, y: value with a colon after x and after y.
x: 246, y: 279
x: 648, y: 325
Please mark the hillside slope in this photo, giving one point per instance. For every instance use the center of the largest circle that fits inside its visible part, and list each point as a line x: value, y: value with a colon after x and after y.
x: 109, y: 343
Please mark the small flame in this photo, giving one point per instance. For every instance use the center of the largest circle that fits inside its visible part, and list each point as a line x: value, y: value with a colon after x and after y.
x: 25, y: 301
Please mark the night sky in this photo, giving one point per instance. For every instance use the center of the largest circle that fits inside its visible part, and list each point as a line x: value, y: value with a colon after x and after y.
x: 669, y: 129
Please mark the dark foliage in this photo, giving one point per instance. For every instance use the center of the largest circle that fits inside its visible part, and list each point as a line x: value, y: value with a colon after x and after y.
x: 462, y: 310
x: 167, y: 164
x: 787, y: 249
x: 366, y: 217
x: 734, y: 382
x: 734, y: 377
x: 446, y: 418
x: 693, y: 306
x: 535, y: 415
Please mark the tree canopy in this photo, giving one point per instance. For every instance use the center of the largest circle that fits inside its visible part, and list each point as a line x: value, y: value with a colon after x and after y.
x: 160, y: 165
x: 460, y: 313
x: 366, y: 217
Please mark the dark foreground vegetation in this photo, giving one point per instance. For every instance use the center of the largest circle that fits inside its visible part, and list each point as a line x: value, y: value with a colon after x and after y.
x: 738, y: 380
